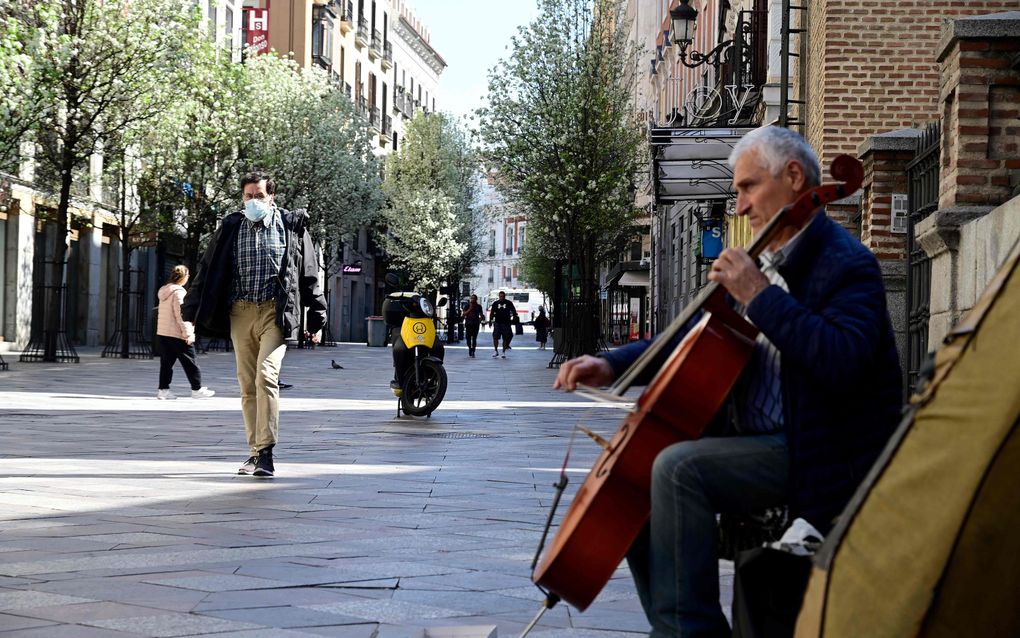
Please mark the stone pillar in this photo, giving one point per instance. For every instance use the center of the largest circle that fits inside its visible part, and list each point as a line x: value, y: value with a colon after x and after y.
x: 939, y: 237
x: 96, y: 177
x: 980, y: 99
x: 93, y: 242
x: 18, y: 281
x: 885, y: 158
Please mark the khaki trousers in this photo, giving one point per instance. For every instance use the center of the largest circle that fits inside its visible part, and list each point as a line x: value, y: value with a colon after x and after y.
x: 259, y: 350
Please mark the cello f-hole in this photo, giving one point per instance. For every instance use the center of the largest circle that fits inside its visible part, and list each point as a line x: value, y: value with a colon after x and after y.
x: 602, y: 470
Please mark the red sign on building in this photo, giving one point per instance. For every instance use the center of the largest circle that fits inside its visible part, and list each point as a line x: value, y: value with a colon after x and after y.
x: 256, y: 23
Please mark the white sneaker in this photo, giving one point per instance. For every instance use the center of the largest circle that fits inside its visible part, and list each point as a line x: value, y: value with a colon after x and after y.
x: 202, y: 393
x: 165, y: 395
x: 504, y: 354
x: 495, y: 355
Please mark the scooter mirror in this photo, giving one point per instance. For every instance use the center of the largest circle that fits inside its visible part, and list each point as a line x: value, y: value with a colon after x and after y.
x: 442, y: 302
x: 392, y: 279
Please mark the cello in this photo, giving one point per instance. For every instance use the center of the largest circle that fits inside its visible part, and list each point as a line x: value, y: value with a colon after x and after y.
x: 613, y: 504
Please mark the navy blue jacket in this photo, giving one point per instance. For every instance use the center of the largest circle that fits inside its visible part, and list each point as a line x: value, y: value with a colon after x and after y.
x: 840, y: 370
x: 207, y: 303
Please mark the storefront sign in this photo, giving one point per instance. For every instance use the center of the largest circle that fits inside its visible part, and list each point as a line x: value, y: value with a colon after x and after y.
x: 352, y: 269
x: 711, y: 238
x: 256, y: 23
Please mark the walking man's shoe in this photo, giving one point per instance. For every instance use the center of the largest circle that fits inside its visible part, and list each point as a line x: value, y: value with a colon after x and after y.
x: 495, y: 354
x: 264, y: 463
x: 202, y: 393
x: 165, y: 395
x: 249, y: 466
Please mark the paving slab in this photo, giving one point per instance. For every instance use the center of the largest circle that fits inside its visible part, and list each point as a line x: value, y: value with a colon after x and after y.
x: 122, y: 515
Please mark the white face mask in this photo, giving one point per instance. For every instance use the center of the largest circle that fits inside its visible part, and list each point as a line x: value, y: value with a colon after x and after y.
x: 256, y: 210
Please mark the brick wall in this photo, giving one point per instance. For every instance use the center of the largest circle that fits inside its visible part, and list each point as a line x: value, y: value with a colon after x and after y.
x: 871, y: 67
x: 981, y: 108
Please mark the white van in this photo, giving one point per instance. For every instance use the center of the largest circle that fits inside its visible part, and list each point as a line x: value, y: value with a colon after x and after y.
x: 526, y: 300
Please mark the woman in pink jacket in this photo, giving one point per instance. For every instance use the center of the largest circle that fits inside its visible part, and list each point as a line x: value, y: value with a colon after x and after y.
x: 177, y: 338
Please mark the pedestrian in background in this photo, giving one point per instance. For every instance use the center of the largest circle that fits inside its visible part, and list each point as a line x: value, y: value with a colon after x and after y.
x: 541, y: 323
x: 502, y: 314
x: 177, y: 338
x: 259, y: 271
x: 473, y: 316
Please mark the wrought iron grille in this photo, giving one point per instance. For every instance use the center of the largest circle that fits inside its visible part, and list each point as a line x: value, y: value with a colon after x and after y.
x: 922, y: 201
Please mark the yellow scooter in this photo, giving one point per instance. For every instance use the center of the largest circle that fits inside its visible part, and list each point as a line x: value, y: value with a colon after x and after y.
x: 419, y: 378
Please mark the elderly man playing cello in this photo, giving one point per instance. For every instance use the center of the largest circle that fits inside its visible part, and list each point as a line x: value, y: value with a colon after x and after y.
x: 808, y: 417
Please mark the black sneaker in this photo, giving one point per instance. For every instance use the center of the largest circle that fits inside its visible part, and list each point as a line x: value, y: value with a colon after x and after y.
x: 264, y: 463
x: 249, y: 466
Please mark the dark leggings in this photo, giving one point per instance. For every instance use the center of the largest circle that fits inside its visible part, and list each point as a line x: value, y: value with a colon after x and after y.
x: 175, y: 349
x: 472, y: 336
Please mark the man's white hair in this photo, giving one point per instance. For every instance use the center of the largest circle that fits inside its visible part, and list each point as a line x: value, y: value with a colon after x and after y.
x: 775, y: 147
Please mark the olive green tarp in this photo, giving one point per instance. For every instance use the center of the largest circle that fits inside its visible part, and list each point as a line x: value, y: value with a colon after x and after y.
x: 930, y: 544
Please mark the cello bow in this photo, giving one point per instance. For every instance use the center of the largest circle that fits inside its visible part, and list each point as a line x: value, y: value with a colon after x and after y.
x: 612, y: 505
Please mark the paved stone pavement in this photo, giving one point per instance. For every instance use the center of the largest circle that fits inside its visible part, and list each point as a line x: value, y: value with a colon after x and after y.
x: 121, y: 515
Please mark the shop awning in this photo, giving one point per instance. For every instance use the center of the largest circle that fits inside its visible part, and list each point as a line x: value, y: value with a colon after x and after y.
x: 634, y: 278
x: 690, y: 164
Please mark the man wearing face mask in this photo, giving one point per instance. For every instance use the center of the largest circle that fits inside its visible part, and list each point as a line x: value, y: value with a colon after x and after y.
x: 259, y: 270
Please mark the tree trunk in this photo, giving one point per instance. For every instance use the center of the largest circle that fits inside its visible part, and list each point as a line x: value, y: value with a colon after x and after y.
x: 54, y: 305
x: 125, y: 295
x: 125, y: 255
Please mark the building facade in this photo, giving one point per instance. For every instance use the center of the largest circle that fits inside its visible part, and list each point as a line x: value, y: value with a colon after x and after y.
x: 861, y: 79
x: 504, y: 233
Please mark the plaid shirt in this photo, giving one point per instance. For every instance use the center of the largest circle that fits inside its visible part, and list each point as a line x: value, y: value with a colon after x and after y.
x: 258, y: 256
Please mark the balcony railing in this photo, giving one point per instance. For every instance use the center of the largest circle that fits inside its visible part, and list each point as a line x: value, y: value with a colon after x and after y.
x: 387, y: 125
x: 361, y: 38
x: 347, y: 17
x: 348, y: 90
x: 387, y: 54
x: 375, y: 118
x: 377, y: 43
x: 363, y: 106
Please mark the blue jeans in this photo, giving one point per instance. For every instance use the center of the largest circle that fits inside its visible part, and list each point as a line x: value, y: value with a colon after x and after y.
x: 674, y: 561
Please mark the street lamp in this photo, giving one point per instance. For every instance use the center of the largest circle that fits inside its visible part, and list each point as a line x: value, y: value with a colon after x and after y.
x: 682, y: 20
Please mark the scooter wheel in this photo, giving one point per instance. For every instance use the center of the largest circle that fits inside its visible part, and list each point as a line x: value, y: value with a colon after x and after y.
x: 422, y: 397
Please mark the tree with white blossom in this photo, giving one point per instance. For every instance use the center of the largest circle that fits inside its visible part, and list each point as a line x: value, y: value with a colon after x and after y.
x: 560, y: 128
x: 430, y: 215
x: 190, y: 152
x: 23, y: 37
x: 317, y: 147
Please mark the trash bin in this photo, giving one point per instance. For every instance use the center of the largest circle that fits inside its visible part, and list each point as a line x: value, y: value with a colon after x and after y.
x: 376, y: 331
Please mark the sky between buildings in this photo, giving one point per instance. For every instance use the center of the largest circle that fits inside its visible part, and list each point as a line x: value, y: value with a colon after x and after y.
x: 471, y: 35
